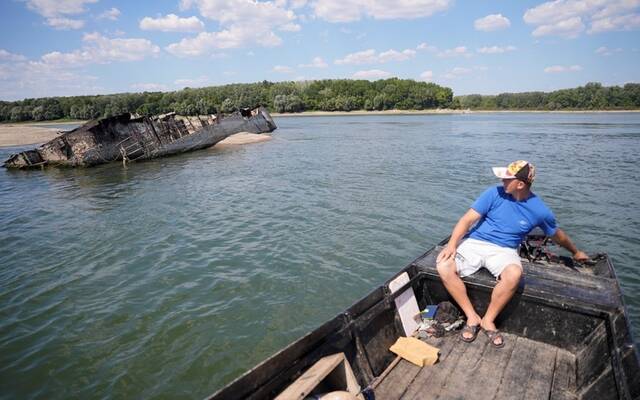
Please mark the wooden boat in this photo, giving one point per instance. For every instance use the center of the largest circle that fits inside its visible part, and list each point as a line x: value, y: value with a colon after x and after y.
x: 129, y: 138
x: 566, y: 331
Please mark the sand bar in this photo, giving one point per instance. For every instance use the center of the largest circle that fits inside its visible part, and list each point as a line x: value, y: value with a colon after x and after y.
x: 24, y: 134
x: 242, y: 138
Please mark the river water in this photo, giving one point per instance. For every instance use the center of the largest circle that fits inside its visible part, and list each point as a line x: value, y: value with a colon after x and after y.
x: 169, y: 278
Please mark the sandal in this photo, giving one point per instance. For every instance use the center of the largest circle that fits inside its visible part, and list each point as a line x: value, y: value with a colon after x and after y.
x: 472, y: 329
x: 493, y: 336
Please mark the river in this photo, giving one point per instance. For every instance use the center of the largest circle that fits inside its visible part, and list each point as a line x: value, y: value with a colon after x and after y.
x: 169, y: 278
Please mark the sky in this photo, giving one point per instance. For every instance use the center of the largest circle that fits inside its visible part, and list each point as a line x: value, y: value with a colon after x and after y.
x: 86, y: 47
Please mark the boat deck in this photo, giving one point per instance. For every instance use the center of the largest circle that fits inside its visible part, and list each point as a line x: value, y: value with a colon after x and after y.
x: 522, y: 369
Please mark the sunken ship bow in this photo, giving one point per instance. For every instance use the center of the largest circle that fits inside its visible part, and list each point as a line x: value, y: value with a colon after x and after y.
x: 129, y: 138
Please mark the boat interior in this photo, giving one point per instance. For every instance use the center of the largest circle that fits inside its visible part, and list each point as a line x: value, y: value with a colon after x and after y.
x: 566, y: 337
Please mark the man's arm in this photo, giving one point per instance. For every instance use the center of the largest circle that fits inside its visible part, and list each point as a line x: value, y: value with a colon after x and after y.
x: 461, y: 228
x: 563, y: 240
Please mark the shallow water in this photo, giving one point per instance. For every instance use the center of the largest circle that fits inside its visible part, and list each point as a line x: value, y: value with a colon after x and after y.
x: 171, y: 277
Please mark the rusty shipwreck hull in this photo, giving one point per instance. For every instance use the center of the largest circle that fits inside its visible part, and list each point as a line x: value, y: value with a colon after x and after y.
x: 129, y: 138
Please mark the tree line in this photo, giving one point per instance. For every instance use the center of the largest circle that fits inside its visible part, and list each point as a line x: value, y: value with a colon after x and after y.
x: 321, y: 95
x: 592, y: 96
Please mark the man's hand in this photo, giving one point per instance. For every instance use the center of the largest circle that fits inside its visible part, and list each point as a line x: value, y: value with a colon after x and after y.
x: 563, y: 240
x: 580, y: 256
x: 448, y: 252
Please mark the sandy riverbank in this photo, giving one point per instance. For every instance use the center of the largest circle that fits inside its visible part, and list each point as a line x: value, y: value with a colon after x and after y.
x: 242, y: 138
x: 26, y: 134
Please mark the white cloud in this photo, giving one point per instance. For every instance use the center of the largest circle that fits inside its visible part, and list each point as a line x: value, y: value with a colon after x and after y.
x: 568, y: 18
x: 426, y: 47
x: 99, y: 49
x: 171, y: 23
x: 496, y: 49
x: 197, y: 82
x: 392, y: 55
x: 460, y: 51
x: 354, y: 10
x: 57, y: 11
x: 282, y: 69
x: 24, y: 79
x: 620, y: 23
x: 52, y: 8
x: 6, y: 56
x: 111, y: 14
x: 207, y: 42
x: 605, y: 51
x: 65, y: 23
x: 371, y: 57
x: 243, y: 23
x: 371, y: 74
x: 493, y: 22
x: 457, y: 72
x: 426, y: 76
x: 361, y: 57
x: 568, y: 28
x: 149, y: 87
x: 317, y: 62
x: 561, y: 68
x: 290, y: 27
x: 298, y: 3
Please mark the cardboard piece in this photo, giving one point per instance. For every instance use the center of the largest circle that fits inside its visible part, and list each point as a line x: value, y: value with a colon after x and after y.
x: 406, y: 304
x: 415, y: 351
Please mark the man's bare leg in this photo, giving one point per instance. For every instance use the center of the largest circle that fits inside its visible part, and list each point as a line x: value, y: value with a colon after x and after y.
x: 457, y: 290
x: 502, y: 293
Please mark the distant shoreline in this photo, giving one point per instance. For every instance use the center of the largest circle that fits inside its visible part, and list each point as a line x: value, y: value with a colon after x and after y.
x: 442, y: 111
x: 32, y: 132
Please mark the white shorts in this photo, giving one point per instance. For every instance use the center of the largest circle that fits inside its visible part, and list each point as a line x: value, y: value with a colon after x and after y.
x: 473, y: 254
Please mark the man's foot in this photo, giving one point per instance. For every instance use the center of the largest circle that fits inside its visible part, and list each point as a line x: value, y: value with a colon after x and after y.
x: 494, y: 335
x: 469, y: 333
x: 495, y: 338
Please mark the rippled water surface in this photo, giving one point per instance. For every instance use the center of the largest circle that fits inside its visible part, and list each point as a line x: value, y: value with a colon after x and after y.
x: 169, y: 278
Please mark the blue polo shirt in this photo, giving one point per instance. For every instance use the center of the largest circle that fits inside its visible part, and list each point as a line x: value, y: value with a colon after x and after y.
x: 506, y: 221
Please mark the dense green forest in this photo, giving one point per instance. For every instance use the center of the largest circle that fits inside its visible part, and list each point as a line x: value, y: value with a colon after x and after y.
x: 592, y: 96
x: 322, y: 95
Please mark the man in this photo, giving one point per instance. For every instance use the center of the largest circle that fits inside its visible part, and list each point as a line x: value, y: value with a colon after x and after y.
x: 503, y: 216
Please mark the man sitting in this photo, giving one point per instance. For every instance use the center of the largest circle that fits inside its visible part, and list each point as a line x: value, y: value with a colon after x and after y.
x: 503, y: 216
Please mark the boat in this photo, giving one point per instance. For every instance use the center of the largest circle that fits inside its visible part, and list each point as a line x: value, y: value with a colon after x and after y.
x: 566, y: 330
x: 132, y: 138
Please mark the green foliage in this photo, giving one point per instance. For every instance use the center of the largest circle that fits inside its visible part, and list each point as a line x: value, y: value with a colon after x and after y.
x: 322, y: 95
x: 592, y: 96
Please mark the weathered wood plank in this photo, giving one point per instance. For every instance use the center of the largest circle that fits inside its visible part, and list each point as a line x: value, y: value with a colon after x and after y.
x: 564, y: 376
x: 431, y: 379
x: 396, y: 383
x: 529, y: 372
x: 479, y: 373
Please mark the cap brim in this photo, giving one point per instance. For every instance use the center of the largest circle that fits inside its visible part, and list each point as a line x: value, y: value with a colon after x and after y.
x: 502, y: 173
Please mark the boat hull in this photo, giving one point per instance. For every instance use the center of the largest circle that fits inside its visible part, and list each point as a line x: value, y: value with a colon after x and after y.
x: 132, y: 139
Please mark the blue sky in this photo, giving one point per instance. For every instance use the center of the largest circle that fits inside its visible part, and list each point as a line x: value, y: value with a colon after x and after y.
x: 78, y: 47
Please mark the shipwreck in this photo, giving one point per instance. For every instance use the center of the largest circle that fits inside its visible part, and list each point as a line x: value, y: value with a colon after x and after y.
x: 129, y: 138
